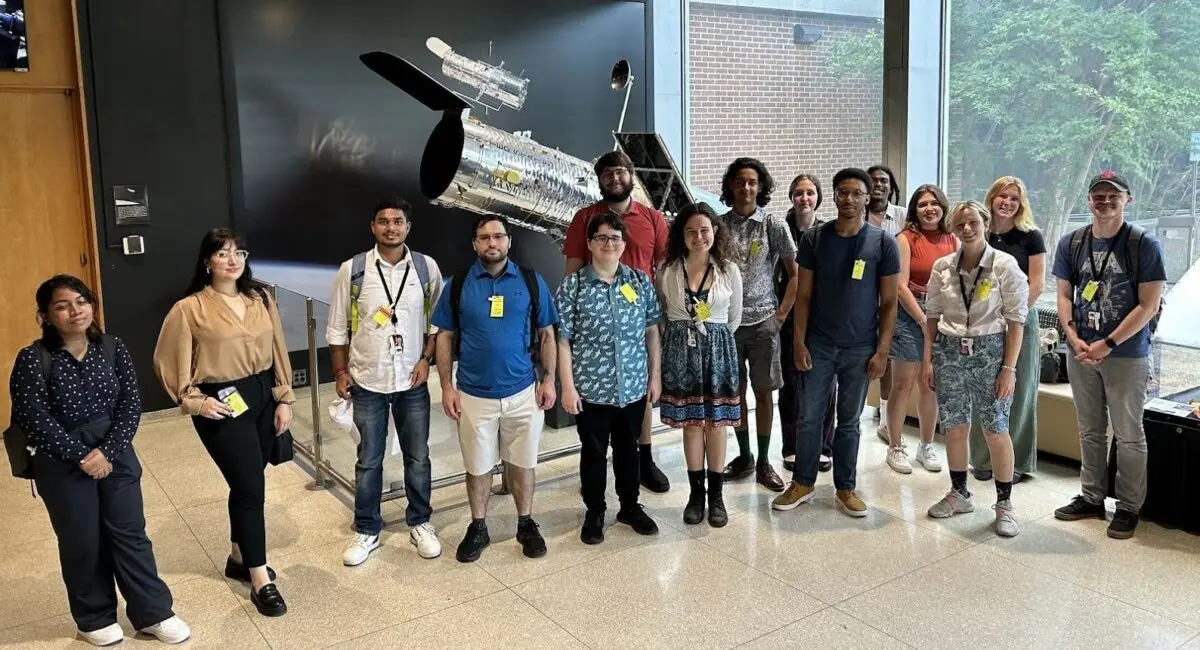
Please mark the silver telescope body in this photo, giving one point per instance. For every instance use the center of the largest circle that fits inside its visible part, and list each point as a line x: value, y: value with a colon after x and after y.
x: 491, y: 81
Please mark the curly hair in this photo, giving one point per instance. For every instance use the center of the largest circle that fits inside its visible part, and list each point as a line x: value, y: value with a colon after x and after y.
x: 913, y: 220
x: 766, y: 184
x: 677, y: 249
x: 894, y: 193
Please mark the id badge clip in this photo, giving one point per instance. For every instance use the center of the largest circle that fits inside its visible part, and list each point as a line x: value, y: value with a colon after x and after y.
x: 1094, y: 320
x: 397, y: 344
x: 383, y: 316
x: 966, y: 346
x: 230, y: 397
x: 691, y: 341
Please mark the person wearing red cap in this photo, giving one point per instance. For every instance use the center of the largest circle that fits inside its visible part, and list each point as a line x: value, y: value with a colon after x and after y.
x: 1110, y: 283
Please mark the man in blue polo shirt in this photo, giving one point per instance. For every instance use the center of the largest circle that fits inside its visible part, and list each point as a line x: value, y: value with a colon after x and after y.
x: 487, y: 319
x: 1110, y: 281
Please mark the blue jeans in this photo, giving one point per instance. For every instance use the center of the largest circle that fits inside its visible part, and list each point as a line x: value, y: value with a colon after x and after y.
x: 411, y: 412
x: 846, y: 368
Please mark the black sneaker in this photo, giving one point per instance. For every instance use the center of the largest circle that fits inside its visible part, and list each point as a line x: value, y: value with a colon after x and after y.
x: 268, y: 601
x: 637, y: 519
x: 238, y: 571
x: 1080, y: 508
x: 739, y: 468
x: 653, y: 479
x: 693, y: 512
x: 986, y: 475
x: 824, y: 464
x: 473, y: 543
x: 593, y: 527
x: 531, y: 540
x: 1123, y: 524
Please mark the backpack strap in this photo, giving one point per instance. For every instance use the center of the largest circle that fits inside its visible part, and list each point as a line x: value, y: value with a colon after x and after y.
x: 1074, y: 250
x: 108, y: 344
x: 46, y: 360
x: 421, y: 262
x: 358, y: 267
x: 1133, y: 256
x: 456, y: 289
x: 531, y: 284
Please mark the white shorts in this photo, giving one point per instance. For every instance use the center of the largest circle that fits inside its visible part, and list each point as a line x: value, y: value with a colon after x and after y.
x: 508, y: 429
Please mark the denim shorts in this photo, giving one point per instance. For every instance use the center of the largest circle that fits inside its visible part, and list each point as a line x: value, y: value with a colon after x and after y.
x: 966, y: 383
x: 908, y: 339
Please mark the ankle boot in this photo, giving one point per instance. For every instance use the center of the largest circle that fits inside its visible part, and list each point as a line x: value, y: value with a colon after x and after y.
x: 693, y: 512
x: 716, y: 504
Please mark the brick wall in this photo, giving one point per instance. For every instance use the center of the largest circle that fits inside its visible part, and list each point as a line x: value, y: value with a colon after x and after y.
x: 756, y: 93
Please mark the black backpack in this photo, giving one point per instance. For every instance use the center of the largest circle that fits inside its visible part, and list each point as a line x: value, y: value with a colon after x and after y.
x: 16, y: 439
x: 531, y: 285
x: 1133, y: 261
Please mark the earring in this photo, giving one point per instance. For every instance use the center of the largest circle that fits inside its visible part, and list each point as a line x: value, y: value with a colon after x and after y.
x: 208, y: 270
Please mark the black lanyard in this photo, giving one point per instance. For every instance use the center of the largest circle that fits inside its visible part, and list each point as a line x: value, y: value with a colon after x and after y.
x: 692, y: 298
x: 969, y: 298
x: 388, y: 292
x: 1099, y: 276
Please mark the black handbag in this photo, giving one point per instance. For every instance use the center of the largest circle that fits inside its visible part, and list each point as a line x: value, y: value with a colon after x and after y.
x: 281, y: 451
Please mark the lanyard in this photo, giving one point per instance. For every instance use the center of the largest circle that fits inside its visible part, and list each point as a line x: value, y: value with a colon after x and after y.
x: 692, y: 298
x: 1099, y: 276
x: 968, y: 298
x: 388, y: 292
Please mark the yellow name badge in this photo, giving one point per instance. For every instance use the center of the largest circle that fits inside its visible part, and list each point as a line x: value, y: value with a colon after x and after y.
x: 497, y: 310
x: 755, y: 248
x: 703, y: 311
x: 382, y: 316
x: 1090, y: 289
x: 984, y: 290
x: 860, y: 267
x: 628, y: 292
x: 233, y: 399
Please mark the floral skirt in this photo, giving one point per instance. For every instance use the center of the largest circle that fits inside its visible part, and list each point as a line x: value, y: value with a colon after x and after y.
x: 700, y: 382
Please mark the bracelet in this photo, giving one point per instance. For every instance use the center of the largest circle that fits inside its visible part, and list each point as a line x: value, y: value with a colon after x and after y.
x: 1012, y: 368
x: 339, y: 373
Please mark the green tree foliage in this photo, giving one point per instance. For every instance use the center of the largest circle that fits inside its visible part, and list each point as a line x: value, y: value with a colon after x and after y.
x: 1054, y: 90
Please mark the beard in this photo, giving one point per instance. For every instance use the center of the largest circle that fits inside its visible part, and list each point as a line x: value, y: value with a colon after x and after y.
x: 623, y: 192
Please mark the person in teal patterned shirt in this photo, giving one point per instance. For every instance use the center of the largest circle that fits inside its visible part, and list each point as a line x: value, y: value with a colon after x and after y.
x: 608, y: 364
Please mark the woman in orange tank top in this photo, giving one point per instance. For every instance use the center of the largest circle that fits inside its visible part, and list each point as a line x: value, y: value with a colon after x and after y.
x: 925, y: 238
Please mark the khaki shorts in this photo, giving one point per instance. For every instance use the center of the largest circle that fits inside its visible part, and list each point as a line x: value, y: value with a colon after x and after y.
x: 758, y: 347
x: 508, y: 429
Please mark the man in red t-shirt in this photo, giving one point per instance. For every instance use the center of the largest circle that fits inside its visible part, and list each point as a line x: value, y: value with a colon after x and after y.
x: 645, y: 248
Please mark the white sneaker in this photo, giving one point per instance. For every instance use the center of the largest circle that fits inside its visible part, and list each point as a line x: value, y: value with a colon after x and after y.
x: 883, y: 432
x: 424, y: 537
x: 927, y: 457
x: 360, y: 547
x: 897, y: 459
x: 104, y: 636
x: 172, y: 630
x: 954, y: 503
x: 1006, y: 519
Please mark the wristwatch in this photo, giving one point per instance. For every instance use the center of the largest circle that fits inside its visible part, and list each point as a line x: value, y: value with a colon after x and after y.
x: 1110, y: 343
x: 428, y: 359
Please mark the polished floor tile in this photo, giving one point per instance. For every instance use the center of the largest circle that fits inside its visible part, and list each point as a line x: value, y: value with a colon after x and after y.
x: 669, y: 593
x: 828, y: 629
x: 166, y: 440
x: 178, y: 554
x: 31, y: 585
x: 983, y: 600
x: 501, y: 620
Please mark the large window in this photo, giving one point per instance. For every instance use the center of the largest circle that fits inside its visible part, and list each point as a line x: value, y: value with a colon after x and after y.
x: 1054, y: 90
x: 793, y: 83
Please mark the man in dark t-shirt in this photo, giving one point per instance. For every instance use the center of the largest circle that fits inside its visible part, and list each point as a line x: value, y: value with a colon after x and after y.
x: 846, y: 304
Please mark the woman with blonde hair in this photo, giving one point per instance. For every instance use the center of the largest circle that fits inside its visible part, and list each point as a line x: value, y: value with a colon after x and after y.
x: 1014, y: 232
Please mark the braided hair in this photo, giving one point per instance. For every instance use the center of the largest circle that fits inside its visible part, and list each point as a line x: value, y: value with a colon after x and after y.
x: 894, y: 193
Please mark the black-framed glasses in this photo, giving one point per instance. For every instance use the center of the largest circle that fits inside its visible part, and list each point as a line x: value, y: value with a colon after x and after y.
x: 608, y: 239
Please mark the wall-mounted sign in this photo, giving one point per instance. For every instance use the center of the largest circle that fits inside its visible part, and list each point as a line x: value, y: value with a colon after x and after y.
x: 131, y: 205
x: 14, y: 46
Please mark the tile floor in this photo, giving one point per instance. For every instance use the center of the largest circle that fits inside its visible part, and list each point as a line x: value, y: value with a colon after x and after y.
x: 810, y: 577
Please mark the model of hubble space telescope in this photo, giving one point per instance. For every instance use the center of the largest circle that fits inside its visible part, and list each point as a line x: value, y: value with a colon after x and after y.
x: 490, y: 80
x: 475, y: 167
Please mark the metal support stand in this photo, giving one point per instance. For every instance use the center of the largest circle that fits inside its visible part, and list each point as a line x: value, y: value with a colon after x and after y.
x: 320, y: 481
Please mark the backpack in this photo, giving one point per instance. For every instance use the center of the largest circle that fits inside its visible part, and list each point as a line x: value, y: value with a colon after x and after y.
x: 358, y: 268
x: 16, y: 439
x: 1133, y: 261
x: 531, y: 285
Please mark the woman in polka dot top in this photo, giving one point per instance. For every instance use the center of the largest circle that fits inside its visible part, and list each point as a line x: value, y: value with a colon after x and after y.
x: 80, y: 418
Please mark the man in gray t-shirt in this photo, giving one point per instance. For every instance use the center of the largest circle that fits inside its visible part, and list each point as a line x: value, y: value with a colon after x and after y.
x: 759, y: 243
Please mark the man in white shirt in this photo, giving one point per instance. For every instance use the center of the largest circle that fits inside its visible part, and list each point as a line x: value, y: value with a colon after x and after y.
x: 883, y: 210
x: 381, y: 349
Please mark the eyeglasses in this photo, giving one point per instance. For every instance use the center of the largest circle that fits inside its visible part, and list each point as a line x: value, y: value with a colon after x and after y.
x: 224, y: 255
x: 850, y: 194
x: 485, y: 238
x: 604, y: 240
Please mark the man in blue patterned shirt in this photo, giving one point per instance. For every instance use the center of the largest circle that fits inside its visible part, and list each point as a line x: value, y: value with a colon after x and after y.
x: 608, y: 363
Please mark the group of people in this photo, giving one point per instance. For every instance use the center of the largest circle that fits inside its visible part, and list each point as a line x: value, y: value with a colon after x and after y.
x: 689, y: 315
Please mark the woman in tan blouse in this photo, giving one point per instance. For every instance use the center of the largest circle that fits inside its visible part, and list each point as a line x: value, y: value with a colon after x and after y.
x: 222, y: 356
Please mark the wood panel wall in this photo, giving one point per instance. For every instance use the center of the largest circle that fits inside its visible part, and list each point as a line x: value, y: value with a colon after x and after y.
x: 47, y: 223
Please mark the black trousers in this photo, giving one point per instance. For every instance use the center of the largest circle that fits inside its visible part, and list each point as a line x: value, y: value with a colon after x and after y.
x: 791, y: 398
x: 600, y: 425
x: 101, y: 531
x: 240, y: 447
